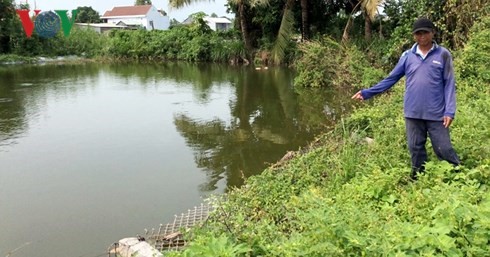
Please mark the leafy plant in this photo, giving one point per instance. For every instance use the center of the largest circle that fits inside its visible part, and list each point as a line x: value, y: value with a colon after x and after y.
x: 220, y: 246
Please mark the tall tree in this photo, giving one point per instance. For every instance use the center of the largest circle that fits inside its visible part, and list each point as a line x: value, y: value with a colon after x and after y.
x: 7, y: 16
x: 86, y: 14
x: 312, y: 12
x: 305, y: 23
x: 369, y: 9
x: 284, y: 33
x: 142, y: 2
x: 287, y: 27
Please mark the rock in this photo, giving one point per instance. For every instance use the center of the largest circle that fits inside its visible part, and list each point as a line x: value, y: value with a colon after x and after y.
x: 134, y: 247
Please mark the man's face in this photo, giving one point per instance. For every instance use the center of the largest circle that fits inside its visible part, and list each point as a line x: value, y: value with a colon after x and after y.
x: 423, y: 38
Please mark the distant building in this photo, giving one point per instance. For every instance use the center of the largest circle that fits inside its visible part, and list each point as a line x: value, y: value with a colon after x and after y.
x: 215, y: 24
x: 142, y: 16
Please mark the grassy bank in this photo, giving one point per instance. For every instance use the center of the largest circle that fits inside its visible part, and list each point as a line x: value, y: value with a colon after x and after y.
x: 345, y: 197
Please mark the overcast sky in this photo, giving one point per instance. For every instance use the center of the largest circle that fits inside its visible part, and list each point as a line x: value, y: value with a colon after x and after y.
x: 209, y: 7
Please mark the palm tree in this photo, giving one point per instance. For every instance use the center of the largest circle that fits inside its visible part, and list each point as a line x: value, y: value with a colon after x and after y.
x: 242, y: 17
x: 286, y: 28
x: 305, y: 24
x: 369, y: 9
x: 284, y: 34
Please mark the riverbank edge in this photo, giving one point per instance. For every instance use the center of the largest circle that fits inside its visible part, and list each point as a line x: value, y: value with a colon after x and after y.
x: 343, y: 196
x: 12, y: 59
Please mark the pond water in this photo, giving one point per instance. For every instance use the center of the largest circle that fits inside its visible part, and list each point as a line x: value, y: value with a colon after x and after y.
x: 93, y: 153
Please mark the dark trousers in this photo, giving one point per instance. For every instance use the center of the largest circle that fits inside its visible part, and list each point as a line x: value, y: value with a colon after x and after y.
x: 417, y: 131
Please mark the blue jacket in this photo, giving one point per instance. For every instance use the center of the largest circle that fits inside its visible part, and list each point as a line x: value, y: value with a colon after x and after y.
x: 430, y: 90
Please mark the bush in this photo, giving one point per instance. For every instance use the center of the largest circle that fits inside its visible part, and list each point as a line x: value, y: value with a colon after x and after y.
x: 326, y: 63
x: 189, y: 43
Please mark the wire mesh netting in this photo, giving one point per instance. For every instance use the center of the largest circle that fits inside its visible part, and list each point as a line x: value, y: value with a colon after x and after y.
x: 169, y: 237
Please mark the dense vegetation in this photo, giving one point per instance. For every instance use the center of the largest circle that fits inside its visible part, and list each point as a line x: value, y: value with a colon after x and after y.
x: 196, y: 42
x: 346, y: 197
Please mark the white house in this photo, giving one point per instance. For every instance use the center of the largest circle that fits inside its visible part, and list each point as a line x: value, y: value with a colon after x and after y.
x: 145, y: 16
x: 218, y: 23
x: 214, y: 23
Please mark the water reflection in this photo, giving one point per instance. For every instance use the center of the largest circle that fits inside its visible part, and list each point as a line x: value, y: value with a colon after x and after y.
x: 108, y: 150
x: 268, y: 119
x: 23, y: 93
x: 200, y: 77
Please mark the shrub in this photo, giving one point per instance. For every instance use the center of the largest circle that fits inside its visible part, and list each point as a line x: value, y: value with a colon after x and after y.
x: 326, y: 63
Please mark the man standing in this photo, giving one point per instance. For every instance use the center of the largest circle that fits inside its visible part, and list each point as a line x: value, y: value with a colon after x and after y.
x: 430, y: 96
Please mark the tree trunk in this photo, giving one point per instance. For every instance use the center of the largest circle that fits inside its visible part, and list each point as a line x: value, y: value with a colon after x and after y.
x: 345, y: 36
x: 381, y: 29
x: 305, y: 25
x: 368, y: 33
x: 245, y: 31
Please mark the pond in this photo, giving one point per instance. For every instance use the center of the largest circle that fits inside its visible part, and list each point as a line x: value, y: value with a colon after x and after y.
x: 92, y: 153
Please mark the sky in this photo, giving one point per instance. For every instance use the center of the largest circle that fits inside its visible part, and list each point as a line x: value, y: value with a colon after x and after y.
x: 209, y: 7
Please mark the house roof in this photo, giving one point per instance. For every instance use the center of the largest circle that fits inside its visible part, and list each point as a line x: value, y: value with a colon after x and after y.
x: 127, y: 11
x: 217, y: 20
x: 208, y: 19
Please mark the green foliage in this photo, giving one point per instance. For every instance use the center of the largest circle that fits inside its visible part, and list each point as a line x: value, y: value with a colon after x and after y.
x: 196, y: 42
x: 12, y: 58
x: 284, y: 35
x: 86, y: 14
x: 191, y: 43
x: 346, y: 197
x: 82, y: 42
x: 458, y: 17
x: 7, y: 21
x: 142, y: 2
x: 453, y: 19
x: 221, y: 246
x: 473, y: 86
x: 326, y: 63
x: 476, y: 57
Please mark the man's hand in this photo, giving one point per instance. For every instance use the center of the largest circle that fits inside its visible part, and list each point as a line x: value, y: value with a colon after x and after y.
x: 447, y: 121
x: 358, y: 96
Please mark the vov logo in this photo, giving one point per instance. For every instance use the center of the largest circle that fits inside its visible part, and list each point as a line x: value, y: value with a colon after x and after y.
x: 47, y: 24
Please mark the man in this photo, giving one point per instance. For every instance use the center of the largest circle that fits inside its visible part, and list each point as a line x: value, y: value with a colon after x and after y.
x: 430, y: 96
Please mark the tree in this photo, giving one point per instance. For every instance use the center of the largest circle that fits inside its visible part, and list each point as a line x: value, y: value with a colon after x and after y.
x: 87, y: 15
x: 284, y: 33
x: 243, y: 18
x: 287, y: 26
x: 305, y: 25
x: 7, y: 17
x: 369, y: 9
x: 143, y: 2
